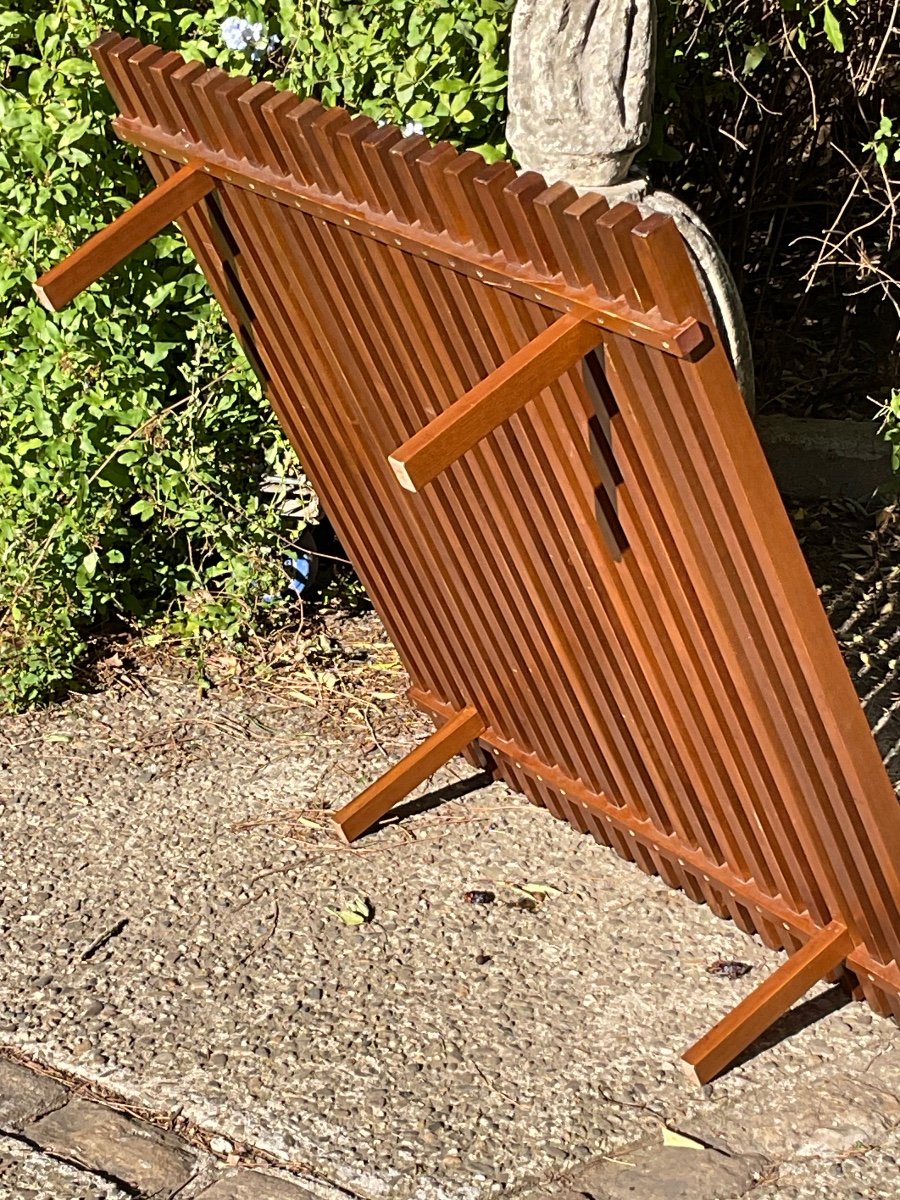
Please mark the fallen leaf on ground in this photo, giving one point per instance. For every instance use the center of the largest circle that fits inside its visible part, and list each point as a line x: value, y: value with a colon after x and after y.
x: 671, y: 1138
x: 357, y: 912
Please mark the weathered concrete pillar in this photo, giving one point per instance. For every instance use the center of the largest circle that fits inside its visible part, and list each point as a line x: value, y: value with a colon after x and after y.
x: 581, y: 83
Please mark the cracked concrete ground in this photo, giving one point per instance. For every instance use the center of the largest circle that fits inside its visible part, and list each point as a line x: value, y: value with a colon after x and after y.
x: 166, y: 877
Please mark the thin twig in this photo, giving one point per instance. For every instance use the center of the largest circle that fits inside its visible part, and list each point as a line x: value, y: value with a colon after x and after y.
x: 878, y: 57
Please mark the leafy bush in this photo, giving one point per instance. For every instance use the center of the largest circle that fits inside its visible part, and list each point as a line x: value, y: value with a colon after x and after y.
x: 132, y: 435
x: 777, y: 119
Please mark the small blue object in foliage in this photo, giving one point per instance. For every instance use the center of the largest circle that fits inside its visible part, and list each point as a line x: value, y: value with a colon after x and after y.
x: 300, y: 571
x: 249, y: 37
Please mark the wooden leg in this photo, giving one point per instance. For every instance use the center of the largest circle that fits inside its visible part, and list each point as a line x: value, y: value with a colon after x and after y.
x: 360, y: 814
x: 460, y: 427
x: 734, y: 1033
x: 107, y: 248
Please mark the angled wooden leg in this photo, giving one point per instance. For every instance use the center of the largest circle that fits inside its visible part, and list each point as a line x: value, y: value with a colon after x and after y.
x: 360, y: 814
x: 461, y: 426
x: 107, y: 248
x: 734, y: 1033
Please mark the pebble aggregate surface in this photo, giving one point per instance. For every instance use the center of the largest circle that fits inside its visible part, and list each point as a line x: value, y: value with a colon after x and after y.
x: 166, y: 877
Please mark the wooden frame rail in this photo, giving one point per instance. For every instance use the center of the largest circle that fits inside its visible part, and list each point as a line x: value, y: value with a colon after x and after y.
x: 681, y: 339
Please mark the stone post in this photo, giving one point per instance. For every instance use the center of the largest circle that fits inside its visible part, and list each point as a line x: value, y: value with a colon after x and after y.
x: 581, y: 77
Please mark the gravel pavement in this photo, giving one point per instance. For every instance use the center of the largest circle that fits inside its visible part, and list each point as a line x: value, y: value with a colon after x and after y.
x: 169, y: 893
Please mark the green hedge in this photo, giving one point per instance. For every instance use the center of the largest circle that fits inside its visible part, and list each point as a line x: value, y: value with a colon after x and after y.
x: 132, y: 435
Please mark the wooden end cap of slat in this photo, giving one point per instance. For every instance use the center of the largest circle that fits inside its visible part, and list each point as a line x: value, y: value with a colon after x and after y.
x: 339, y: 828
x: 44, y: 299
x: 691, y: 1074
x: 402, y: 474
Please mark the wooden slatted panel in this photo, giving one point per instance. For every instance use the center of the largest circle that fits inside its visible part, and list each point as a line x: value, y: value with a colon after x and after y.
x: 609, y: 577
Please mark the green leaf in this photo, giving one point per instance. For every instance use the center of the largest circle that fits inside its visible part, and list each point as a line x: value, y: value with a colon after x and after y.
x: 441, y: 28
x: 833, y: 30
x: 357, y: 912
x: 143, y: 509
x: 42, y: 421
x: 74, y: 131
x: 755, y: 55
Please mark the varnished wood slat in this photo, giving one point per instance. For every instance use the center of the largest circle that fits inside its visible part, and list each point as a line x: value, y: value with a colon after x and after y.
x: 126, y: 234
x: 385, y: 329
x: 862, y: 877
x: 590, y: 683
x: 770, y: 1000
x: 520, y: 635
x: 493, y: 401
x: 369, y: 806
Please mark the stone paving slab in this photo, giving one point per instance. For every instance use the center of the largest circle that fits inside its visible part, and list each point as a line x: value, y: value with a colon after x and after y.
x: 671, y: 1173
x: 443, y: 1051
x: 73, y: 1147
x: 816, y: 1124
x: 884, y: 1071
x: 26, y: 1174
x: 254, y: 1185
x: 870, y: 1173
x: 151, y: 1161
x: 25, y: 1095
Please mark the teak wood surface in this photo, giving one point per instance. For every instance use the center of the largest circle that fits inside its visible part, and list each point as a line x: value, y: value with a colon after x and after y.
x: 599, y: 575
x: 372, y: 804
x: 507, y: 389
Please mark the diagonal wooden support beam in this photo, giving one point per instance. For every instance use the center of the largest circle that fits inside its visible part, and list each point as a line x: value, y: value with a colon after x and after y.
x: 753, y: 1016
x: 107, y: 248
x: 493, y: 401
x: 360, y: 814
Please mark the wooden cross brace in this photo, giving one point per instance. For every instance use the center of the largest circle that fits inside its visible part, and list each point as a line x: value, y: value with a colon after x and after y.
x: 719, y: 1048
x: 507, y: 389
x: 111, y: 245
x: 360, y: 814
